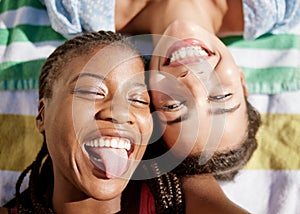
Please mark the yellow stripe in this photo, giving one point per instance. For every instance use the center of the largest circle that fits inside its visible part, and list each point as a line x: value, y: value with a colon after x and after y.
x: 278, y: 143
x: 19, y: 142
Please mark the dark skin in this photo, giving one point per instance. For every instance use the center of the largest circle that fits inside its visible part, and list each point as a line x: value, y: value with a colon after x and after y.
x: 3, y: 210
x: 220, y: 17
x: 223, y: 16
x: 202, y: 192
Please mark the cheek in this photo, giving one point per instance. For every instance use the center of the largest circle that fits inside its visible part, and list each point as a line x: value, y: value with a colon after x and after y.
x: 234, y: 132
x: 171, y: 134
x: 145, y: 122
x: 141, y: 151
x: 60, y: 126
x: 82, y: 115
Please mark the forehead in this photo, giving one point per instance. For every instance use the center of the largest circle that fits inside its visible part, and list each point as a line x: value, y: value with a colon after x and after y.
x: 105, y: 61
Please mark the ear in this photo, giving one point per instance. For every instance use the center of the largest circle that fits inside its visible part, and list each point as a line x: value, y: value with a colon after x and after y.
x: 243, y: 81
x: 40, y: 116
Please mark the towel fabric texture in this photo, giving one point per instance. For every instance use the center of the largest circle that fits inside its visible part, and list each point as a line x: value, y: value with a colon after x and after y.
x: 270, y: 181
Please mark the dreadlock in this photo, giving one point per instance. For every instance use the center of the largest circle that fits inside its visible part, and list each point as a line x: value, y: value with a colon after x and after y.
x: 167, y: 188
x: 38, y: 197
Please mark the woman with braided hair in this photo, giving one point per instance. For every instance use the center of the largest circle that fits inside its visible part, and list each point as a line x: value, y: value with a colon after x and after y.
x: 94, y: 115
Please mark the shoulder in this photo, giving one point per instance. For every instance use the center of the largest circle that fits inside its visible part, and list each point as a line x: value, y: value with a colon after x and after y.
x: 202, y: 192
x: 8, y: 210
x: 3, y: 210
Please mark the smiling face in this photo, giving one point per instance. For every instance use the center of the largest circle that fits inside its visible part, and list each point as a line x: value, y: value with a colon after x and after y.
x: 198, y: 92
x: 97, y: 122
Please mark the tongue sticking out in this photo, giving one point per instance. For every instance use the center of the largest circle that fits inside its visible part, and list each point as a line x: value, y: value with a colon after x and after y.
x: 113, y: 161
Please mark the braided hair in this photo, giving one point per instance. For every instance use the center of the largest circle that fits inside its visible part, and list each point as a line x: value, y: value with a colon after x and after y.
x: 167, y: 188
x: 37, y: 198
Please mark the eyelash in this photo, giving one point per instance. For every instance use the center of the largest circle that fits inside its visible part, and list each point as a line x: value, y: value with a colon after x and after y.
x: 139, y: 98
x: 139, y: 101
x: 173, y: 107
x: 96, y: 93
x: 219, y: 98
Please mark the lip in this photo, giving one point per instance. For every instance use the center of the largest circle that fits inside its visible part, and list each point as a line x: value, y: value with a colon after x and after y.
x: 117, y: 133
x: 184, y: 43
x: 108, y: 133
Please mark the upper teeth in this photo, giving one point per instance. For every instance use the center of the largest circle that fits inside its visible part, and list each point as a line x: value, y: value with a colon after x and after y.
x: 185, y: 52
x: 113, y: 142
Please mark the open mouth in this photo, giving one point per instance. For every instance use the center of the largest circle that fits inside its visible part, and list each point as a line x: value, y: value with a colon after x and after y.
x: 110, y: 155
x: 187, y: 51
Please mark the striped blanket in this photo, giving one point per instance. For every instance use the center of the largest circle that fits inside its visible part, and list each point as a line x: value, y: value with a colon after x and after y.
x: 270, y: 183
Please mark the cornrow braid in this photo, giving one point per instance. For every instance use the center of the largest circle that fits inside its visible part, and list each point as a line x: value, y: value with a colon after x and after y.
x: 167, y: 192
x: 34, y: 205
x: 37, y: 198
x: 77, y: 46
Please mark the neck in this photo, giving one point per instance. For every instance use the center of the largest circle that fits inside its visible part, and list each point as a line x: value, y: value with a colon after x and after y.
x: 67, y: 199
x: 208, y: 14
x: 220, y: 17
x: 89, y: 205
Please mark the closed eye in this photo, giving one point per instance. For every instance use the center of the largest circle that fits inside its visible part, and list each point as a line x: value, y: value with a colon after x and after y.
x: 144, y: 102
x: 173, y: 106
x: 139, y: 98
x: 219, y: 98
x: 90, y: 94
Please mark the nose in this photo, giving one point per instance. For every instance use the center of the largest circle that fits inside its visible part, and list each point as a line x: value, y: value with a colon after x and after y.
x: 178, y: 72
x: 115, y: 112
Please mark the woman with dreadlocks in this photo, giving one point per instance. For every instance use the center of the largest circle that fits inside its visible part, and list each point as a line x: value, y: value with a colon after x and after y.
x: 94, y: 115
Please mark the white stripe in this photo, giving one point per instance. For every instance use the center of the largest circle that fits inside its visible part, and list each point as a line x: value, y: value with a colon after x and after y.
x: 25, y: 102
x: 24, y: 15
x: 19, y: 102
x: 26, y: 51
x: 282, y: 103
x: 263, y: 58
x: 266, y: 191
x: 8, y: 181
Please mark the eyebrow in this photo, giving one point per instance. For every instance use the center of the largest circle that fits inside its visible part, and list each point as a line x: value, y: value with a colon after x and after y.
x: 101, y: 77
x: 97, y: 76
x: 176, y: 120
x: 137, y: 84
x: 219, y: 111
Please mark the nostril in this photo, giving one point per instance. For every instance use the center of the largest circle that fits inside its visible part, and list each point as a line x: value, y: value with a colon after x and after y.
x: 111, y: 120
x: 183, y: 74
x: 115, y: 121
x: 117, y: 118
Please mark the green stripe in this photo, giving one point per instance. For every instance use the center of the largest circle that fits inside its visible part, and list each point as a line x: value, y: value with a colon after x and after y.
x: 29, y: 33
x: 20, y: 76
x: 15, y: 4
x: 278, y: 42
x: 272, y: 80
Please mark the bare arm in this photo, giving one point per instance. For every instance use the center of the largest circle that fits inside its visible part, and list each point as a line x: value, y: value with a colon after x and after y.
x: 203, y: 194
x: 3, y: 210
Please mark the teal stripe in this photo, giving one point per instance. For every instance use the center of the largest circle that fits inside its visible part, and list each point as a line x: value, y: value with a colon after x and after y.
x: 29, y: 33
x: 272, y: 80
x: 280, y: 41
x: 6, y: 5
x: 29, y: 84
x: 20, y: 76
